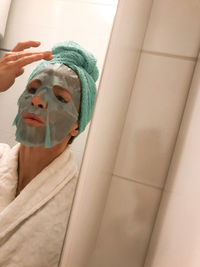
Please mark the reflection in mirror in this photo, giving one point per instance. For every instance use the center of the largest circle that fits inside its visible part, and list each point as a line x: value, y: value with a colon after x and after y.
x: 41, y: 151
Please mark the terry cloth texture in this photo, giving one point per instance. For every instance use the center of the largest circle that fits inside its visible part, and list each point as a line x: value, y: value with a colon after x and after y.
x: 33, y: 225
x: 84, y: 64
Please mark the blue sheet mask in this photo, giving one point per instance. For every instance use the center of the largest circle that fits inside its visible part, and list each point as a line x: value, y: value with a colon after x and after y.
x: 45, y: 96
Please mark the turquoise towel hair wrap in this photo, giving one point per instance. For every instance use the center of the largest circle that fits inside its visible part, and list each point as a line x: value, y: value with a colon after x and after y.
x: 84, y: 64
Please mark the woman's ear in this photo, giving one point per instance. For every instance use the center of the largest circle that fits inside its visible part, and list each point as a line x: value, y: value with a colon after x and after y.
x: 74, y: 129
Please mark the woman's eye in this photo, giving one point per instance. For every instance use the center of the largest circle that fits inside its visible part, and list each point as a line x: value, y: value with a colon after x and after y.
x: 32, y: 90
x: 61, y: 99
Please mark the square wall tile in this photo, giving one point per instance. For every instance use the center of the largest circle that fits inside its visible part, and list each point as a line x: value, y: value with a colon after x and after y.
x: 174, y: 27
x: 59, y: 13
x: 183, y: 177
x: 126, y: 225
x: 4, y: 136
x: 64, y: 16
x: 153, y: 118
x: 6, y: 102
x: 176, y: 237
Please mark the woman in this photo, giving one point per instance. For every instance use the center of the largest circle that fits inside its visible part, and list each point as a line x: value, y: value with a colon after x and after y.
x: 38, y: 175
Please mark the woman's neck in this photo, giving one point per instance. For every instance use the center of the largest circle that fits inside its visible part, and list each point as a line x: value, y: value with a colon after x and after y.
x: 32, y: 160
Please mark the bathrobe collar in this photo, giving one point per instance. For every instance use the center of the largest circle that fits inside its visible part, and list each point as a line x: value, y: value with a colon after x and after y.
x: 40, y: 190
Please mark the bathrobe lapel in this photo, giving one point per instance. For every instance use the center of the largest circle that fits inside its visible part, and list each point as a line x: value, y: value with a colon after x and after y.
x: 8, y: 174
x: 38, y: 192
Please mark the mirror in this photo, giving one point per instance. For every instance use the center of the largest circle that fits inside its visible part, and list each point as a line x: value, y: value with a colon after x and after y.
x: 30, y: 214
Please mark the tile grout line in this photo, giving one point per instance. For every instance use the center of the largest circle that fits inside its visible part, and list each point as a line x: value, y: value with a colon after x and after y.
x: 136, y: 181
x: 174, y: 148
x: 96, y: 2
x: 133, y: 81
x: 162, y: 54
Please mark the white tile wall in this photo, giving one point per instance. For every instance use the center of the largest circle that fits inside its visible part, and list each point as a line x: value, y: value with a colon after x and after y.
x: 175, y: 241
x: 62, y: 20
x: 184, y: 172
x: 174, y: 27
x: 176, y: 237
x: 126, y: 225
x: 5, y: 135
x: 153, y: 118
x: 156, y: 107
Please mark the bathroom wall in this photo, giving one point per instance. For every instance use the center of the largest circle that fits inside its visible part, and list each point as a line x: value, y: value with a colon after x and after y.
x: 157, y: 103
x: 87, y: 22
x: 154, y: 92
x: 176, y: 237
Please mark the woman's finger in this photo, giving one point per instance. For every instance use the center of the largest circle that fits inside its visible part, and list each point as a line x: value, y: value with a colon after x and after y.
x: 24, y: 45
x: 17, y: 55
x: 13, y: 56
x: 29, y: 59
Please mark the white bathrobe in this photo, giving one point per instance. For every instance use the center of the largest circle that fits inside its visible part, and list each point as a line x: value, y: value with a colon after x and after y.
x: 33, y: 225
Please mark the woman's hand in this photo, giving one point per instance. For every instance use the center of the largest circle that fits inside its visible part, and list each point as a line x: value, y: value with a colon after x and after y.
x: 12, y: 63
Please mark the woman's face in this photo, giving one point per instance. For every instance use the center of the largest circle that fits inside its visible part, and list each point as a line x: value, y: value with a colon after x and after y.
x: 48, y: 107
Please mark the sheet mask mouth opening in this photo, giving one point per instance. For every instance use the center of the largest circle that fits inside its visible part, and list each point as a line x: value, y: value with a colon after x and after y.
x: 33, y: 117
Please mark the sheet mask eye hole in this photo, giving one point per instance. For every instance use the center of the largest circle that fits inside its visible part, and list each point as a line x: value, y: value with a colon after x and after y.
x: 32, y: 90
x: 61, y: 99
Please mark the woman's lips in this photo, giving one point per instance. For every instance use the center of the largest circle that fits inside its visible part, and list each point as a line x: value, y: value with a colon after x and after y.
x: 33, y: 120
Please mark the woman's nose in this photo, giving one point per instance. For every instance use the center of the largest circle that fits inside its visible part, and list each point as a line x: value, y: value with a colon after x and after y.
x: 38, y: 102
